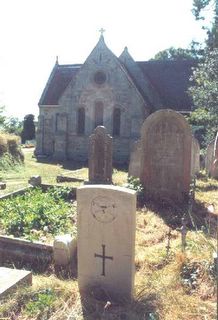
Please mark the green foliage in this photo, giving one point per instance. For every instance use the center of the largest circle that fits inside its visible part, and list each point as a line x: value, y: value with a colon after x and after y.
x: 8, y: 162
x: 13, y: 125
x: 178, y: 53
x: 204, y: 93
x: 199, y: 9
x: 28, y: 132
x: 204, y: 125
x: 2, y: 116
x: 46, y: 211
x: 134, y: 184
x: 41, y: 303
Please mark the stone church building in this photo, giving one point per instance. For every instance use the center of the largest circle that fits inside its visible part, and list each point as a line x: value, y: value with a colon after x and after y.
x: 116, y: 92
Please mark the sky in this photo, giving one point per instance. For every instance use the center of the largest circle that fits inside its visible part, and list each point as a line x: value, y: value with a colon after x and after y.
x: 34, y: 32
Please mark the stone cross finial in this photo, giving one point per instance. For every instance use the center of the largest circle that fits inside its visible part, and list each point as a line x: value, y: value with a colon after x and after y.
x: 102, y: 31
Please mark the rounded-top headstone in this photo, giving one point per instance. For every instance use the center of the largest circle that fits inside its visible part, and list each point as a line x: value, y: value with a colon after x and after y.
x: 106, y: 239
x: 166, y: 155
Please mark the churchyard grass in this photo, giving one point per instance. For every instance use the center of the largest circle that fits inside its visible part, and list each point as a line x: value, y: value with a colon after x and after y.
x: 169, y: 283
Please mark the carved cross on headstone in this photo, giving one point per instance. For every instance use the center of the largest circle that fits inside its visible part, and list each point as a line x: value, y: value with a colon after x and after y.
x: 104, y: 257
x: 102, y: 31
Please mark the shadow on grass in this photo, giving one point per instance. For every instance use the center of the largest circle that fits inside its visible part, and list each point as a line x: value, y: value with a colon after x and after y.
x: 99, y: 305
x: 66, y: 164
x: 173, y: 213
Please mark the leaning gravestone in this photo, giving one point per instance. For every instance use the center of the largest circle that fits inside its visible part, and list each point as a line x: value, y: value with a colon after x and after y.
x: 100, y: 156
x: 209, y: 158
x: 166, y: 156
x: 195, y: 156
x: 135, y: 160
x: 106, y: 239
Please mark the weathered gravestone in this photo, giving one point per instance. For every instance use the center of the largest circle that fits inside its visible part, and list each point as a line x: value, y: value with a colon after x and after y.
x: 10, y: 278
x: 166, y: 156
x: 106, y: 239
x: 135, y: 160
x: 100, y: 156
x: 214, y: 170
x: 209, y: 158
x: 195, y: 156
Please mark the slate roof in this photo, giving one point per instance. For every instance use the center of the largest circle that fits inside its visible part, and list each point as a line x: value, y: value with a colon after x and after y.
x: 59, y: 79
x: 169, y: 78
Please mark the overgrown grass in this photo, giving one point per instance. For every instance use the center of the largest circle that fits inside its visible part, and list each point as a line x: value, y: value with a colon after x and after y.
x: 170, y: 283
x: 47, y: 214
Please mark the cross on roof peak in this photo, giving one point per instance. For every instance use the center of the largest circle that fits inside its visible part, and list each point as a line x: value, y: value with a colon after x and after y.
x: 102, y: 31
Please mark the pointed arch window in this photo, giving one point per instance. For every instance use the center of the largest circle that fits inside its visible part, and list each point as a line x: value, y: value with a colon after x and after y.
x: 116, y: 121
x: 99, y: 113
x: 81, y: 120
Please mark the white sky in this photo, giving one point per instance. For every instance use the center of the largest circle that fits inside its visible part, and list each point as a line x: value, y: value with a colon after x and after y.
x: 34, y: 32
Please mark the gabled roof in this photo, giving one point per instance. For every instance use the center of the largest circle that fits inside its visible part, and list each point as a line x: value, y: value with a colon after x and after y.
x: 171, y: 80
x: 59, y: 79
x: 168, y: 77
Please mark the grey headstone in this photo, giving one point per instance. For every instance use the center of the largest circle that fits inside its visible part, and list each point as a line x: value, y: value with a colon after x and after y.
x: 135, y: 160
x: 166, y: 156
x: 100, y: 156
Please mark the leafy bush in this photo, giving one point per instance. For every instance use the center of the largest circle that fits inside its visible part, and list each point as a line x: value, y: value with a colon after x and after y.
x: 134, y: 184
x: 35, y: 212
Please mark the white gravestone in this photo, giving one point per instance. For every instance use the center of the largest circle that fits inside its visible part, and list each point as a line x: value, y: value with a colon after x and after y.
x: 106, y: 239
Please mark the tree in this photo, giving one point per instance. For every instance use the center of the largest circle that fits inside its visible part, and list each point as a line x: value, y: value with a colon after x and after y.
x: 204, y: 93
x: 2, y: 116
x: 28, y: 132
x: 13, y: 125
x: 199, y: 8
x: 178, y: 53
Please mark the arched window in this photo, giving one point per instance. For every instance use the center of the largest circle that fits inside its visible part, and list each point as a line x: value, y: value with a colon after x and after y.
x: 116, y: 121
x: 99, y: 113
x: 81, y: 121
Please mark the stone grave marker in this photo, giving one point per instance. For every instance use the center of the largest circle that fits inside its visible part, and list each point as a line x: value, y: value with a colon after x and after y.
x: 214, y: 170
x: 135, y: 160
x: 166, y: 156
x: 100, y: 157
x: 10, y: 278
x: 209, y: 158
x: 106, y: 239
x: 195, y: 156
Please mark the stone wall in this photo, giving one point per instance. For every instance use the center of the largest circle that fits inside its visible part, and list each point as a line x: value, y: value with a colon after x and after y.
x: 58, y: 133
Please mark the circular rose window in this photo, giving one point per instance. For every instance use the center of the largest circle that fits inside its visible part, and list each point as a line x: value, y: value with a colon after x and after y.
x: 100, y: 77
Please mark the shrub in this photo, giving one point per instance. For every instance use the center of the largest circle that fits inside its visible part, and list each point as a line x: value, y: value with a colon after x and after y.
x: 3, y: 145
x: 24, y: 218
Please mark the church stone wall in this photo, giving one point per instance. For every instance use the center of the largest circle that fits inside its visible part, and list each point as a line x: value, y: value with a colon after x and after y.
x: 60, y: 137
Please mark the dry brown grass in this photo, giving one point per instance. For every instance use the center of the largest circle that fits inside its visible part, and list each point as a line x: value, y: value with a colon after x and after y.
x: 161, y: 289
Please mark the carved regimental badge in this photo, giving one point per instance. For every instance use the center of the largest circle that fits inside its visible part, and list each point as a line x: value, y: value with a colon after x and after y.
x: 103, y: 209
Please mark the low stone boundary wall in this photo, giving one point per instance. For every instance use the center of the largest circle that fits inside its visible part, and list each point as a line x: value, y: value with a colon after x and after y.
x: 15, y: 193
x: 68, y: 179
x: 24, y: 252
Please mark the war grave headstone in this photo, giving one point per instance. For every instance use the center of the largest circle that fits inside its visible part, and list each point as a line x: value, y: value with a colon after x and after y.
x: 209, y: 158
x: 135, y: 160
x: 195, y: 156
x: 10, y: 278
x: 100, y: 157
x: 166, y: 156
x: 106, y: 239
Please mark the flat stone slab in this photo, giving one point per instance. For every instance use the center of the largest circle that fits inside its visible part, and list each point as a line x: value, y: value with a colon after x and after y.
x: 10, y: 278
